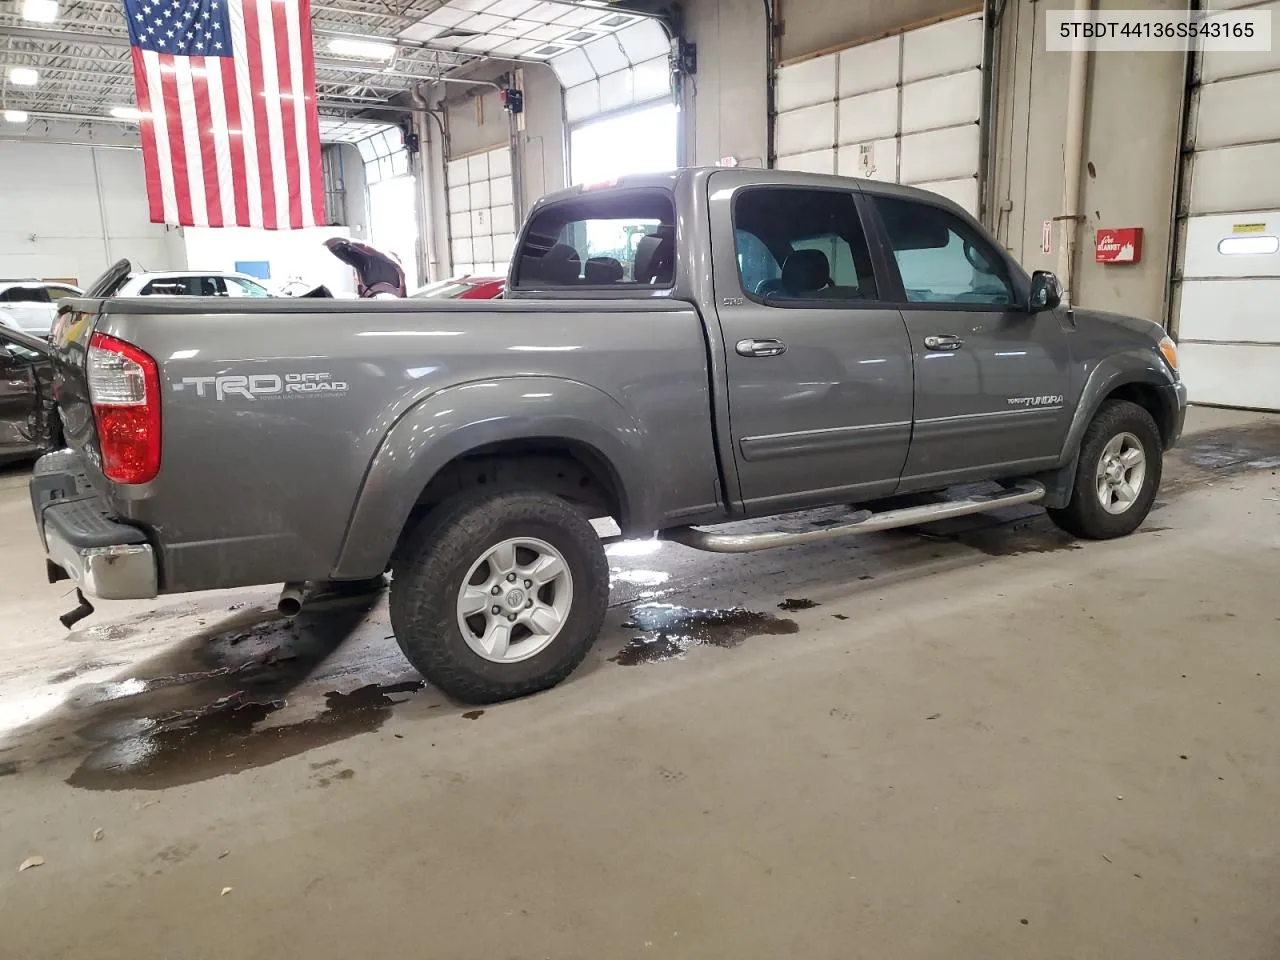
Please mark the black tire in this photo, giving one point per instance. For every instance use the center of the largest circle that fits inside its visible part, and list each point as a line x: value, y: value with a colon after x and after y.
x: 1084, y: 516
x: 431, y: 565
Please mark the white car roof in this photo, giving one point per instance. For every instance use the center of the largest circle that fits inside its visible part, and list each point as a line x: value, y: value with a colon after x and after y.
x: 9, y: 284
x: 178, y: 274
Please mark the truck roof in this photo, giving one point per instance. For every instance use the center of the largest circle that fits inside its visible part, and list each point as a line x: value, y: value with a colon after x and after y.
x: 673, y: 181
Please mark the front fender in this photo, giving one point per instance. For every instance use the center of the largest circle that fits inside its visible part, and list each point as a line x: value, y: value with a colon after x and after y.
x: 1110, y: 373
x: 460, y: 419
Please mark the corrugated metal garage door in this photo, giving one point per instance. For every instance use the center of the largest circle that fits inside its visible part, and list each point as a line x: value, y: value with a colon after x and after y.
x: 1228, y: 320
x: 482, y: 217
x: 906, y: 109
x: 615, y: 71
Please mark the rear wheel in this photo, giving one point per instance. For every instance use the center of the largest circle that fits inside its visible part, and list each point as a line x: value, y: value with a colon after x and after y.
x: 1117, y: 476
x: 500, y: 595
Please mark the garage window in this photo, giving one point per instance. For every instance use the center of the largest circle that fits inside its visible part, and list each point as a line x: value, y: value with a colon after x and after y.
x: 623, y: 239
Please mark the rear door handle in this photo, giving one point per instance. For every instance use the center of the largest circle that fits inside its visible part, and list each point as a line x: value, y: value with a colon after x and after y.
x: 946, y: 342
x: 761, y: 348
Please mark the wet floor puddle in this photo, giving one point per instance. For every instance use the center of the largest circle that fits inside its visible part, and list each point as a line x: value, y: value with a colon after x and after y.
x: 154, y: 753
x: 668, y: 632
x: 208, y: 705
x: 1233, y: 450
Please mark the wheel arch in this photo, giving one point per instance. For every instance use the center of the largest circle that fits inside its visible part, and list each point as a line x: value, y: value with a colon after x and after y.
x: 543, y: 433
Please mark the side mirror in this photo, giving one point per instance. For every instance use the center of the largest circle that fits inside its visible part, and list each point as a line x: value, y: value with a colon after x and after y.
x: 1046, y: 291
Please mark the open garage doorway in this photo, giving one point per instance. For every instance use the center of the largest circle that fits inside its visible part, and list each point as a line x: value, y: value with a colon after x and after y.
x: 393, y: 227
x: 637, y: 141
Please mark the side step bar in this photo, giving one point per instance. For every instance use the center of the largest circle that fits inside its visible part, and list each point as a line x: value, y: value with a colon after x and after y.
x: 864, y: 521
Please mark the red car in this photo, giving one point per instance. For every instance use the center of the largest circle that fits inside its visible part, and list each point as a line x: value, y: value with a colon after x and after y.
x: 464, y: 288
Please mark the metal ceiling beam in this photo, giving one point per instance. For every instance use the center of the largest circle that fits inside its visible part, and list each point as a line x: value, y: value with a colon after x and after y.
x: 48, y: 35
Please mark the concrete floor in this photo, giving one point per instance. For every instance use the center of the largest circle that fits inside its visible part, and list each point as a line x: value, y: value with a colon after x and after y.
x: 973, y: 740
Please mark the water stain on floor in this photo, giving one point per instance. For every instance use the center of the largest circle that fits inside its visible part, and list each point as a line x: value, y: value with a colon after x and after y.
x: 669, y: 631
x: 224, y: 737
x: 209, y: 703
x: 1204, y: 457
x: 792, y: 604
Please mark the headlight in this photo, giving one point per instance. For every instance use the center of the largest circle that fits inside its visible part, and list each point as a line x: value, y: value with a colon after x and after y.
x: 1169, y: 350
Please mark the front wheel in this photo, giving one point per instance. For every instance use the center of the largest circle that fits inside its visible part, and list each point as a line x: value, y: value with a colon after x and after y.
x: 498, y: 596
x: 1117, y: 475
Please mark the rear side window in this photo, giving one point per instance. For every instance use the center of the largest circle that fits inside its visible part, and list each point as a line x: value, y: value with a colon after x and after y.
x: 797, y: 244
x: 183, y: 287
x: 624, y: 239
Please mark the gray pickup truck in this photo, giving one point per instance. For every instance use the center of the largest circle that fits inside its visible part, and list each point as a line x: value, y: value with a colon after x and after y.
x: 674, y: 351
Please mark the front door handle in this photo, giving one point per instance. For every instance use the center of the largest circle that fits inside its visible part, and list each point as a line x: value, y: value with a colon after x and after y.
x: 761, y: 348
x: 946, y: 342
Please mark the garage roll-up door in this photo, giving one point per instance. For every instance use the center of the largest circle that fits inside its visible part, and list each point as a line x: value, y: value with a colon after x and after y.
x: 615, y: 70
x: 482, y: 219
x: 905, y: 109
x: 1228, y: 320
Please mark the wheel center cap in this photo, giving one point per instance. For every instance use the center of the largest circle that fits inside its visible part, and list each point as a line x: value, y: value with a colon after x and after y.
x: 515, y: 599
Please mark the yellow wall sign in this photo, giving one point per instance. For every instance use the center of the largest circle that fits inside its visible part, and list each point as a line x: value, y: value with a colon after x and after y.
x: 1248, y: 227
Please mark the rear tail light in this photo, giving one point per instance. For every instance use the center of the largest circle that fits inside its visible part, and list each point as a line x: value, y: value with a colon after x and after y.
x: 124, y: 388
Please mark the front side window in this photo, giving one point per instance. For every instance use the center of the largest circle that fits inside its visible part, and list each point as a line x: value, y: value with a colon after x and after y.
x: 941, y: 258
x: 795, y: 244
x: 622, y: 239
x: 20, y: 351
x: 237, y: 287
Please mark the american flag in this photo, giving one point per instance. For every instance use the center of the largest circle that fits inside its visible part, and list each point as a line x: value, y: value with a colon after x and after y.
x: 227, y: 91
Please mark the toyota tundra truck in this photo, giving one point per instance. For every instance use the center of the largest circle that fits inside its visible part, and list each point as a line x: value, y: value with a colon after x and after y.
x: 673, y: 351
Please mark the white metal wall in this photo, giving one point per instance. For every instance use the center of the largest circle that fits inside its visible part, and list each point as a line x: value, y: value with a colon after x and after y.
x: 1229, y: 306
x: 70, y: 211
x: 905, y: 109
x: 482, y: 221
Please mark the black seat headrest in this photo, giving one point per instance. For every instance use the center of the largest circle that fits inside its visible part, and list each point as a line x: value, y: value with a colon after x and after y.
x: 603, y: 270
x: 806, y: 272
x: 561, y: 265
x: 654, y: 264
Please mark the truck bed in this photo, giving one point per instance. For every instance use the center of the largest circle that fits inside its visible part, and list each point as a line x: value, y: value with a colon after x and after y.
x: 294, y: 410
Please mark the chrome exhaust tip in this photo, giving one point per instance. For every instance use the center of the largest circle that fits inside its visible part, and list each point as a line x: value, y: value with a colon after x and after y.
x: 290, y: 602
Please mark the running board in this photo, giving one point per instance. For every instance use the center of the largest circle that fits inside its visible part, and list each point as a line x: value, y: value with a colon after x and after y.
x: 1027, y: 491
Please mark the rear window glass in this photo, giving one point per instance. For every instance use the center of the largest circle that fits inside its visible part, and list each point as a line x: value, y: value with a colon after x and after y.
x: 624, y: 239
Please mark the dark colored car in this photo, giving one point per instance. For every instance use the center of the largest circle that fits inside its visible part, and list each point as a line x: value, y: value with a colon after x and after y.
x: 463, y: 288
x: 28, y: 414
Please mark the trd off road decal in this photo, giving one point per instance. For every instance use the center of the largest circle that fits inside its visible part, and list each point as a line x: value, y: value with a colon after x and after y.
x: 265, y: 386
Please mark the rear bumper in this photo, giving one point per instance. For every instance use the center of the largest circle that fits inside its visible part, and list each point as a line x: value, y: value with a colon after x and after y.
x: 83, y: 543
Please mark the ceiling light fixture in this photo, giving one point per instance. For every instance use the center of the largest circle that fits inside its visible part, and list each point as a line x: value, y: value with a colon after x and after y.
x: 40, y: 11
x: 23, y: 76
x: 127, y: 113
x: 15, y: 116
x: 366, y: 49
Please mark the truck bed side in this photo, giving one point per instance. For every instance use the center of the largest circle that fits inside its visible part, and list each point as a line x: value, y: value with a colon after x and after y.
x: 312, y: 416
